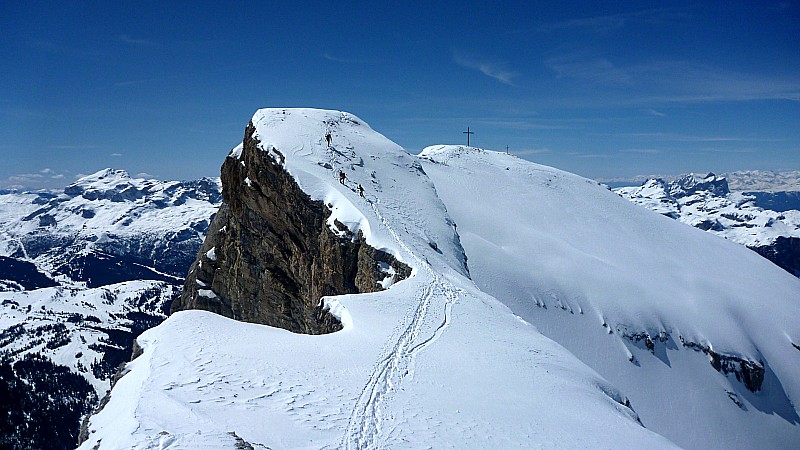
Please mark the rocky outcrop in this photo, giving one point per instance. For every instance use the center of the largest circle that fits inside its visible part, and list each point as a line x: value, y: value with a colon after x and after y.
x: 270, y: 256
x: 784, y: 251
x: 691, y: 184
x: 750, y: 373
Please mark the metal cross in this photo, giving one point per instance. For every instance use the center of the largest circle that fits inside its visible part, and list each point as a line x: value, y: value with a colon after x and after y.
x: 468, y: 133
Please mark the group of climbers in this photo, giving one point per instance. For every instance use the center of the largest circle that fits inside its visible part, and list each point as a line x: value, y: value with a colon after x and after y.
x: 342, y: 176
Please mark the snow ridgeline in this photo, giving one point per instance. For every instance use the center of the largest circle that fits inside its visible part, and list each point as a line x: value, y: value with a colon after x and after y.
x: 435, y: 360
x: 687, y: 324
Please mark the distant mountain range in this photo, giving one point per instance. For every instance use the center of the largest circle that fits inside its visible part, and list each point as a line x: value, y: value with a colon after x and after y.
x: 767, y: 222
x: 82, y: 273
x: 763, y: 181
x: 639, y: 321
x: 754, y: 181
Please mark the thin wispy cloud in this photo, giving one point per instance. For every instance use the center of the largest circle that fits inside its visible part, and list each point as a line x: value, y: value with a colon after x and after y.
x: 72, y: 147
x: 695, y: 138
x: 144, y: 175
x: 140, y: 81
x: 529, y: 151
x: 587, y: 68
x: 26, y: 177
x: 673, y: 81
x: 519, y: 124
x: 612, y: 22
x: 338, y: 59
x: 116, y: 155
x: 645, y: 151
x: 590, y: 155
x: 490, y: 69
x: 653, y: 112
x: 44, y: 178
x: 591, y: 24
x: 730, y: 150
x: 124, y: 38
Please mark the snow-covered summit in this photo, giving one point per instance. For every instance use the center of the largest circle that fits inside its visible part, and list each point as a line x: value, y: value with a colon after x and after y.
x: 692, y: 183
x: 644, y: 300
x: 699, y: 330
x: 431, y: 361
x: 396, y: 188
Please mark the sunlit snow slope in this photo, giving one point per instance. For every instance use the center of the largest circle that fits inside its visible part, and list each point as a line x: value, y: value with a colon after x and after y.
x: 430, y: 362
x: 649, y: 303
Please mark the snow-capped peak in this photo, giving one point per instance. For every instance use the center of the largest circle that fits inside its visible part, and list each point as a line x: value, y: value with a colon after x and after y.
x: 430, y: 361
x: 691, y: 183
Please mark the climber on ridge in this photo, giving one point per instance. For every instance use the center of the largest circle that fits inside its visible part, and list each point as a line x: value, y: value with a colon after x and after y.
x: 342, y: 177
x: 360, y: 190
x: 328, y: 139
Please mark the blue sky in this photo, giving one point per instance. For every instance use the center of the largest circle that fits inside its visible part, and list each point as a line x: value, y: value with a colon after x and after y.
x: 602, y: 89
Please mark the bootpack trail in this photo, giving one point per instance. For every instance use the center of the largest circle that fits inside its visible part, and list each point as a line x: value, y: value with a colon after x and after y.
x: 410, y: 338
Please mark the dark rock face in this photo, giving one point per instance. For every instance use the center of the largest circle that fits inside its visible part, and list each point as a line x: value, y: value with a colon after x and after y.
x: 269, y: 255
x: 690, y: 184
x: 23, y: 274
x: 750, y: 373
x: 784, y: 252
x: 777, y: 201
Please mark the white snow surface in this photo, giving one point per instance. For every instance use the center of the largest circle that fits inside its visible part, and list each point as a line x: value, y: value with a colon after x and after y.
x: 430, y: 362
x: 587, y: 267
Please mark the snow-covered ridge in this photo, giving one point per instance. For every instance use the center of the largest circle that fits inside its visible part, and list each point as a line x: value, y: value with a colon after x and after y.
x: 667, y: 312
x: 698, y: 333
x: 431, y: 361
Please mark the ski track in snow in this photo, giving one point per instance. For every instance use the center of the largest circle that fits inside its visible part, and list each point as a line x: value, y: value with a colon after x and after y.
x: 364, y: 427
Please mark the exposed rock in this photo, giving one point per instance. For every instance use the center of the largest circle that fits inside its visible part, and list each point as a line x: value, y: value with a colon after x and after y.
x: 784, y: 251
x: 691, y: 183
x: 269, y: 255
x: 751, y: 373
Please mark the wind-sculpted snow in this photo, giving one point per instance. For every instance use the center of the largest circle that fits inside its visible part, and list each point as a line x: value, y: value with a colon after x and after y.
x: 701, y: 333
x: 430, y: 362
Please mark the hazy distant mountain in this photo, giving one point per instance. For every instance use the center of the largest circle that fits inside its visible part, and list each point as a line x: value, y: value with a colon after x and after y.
x: 706, y: 202
x: 763, y: 180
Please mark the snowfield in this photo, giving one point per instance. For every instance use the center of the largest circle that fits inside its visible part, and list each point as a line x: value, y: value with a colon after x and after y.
x: 442, y: 361
x: 602, y: 277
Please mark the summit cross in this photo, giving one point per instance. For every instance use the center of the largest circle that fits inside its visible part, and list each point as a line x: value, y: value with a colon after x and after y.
x: 468, y: 133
